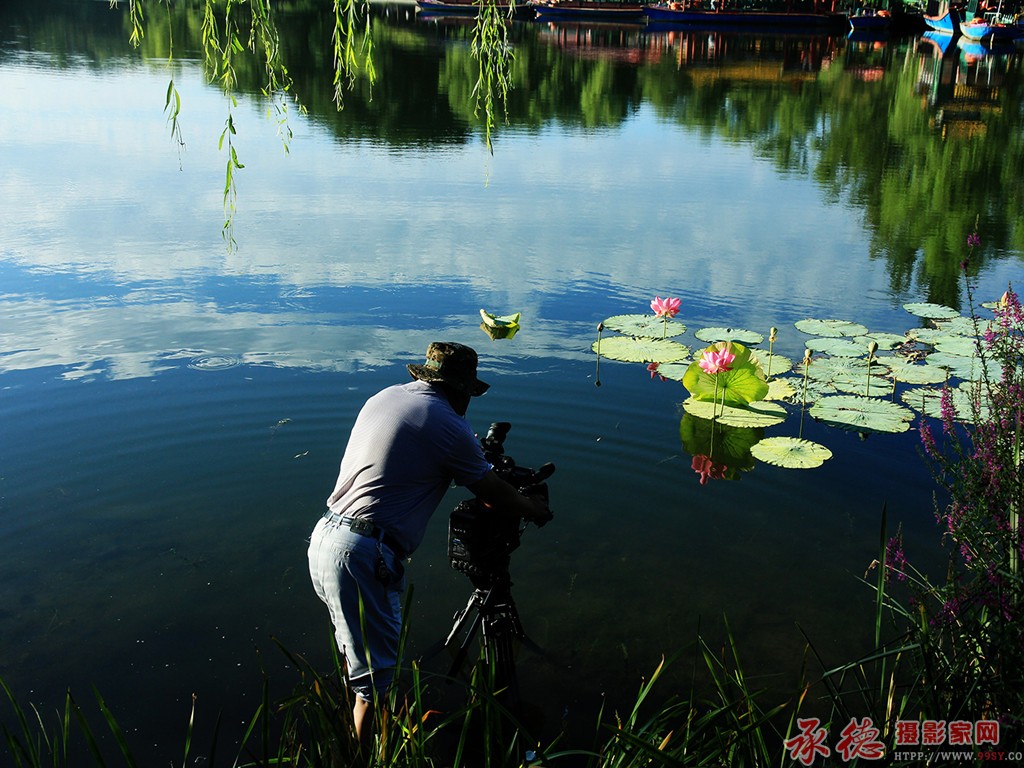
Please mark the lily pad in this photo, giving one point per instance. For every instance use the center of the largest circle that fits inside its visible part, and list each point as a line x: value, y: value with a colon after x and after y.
x: 791, y: 452
x: 814, y: 327
x: 780, y: 389
x: 814, y: 391
x: 929, y: 335
x: 928, y: 400
x: 673, y: 371
x: 915, y: 373
x: 646, y: 326
x: 773, y: 365
x: 499, y: 331
x: 961, y: 346
x: 865, y: 386
x: 711, y: 335
x: 839, y: 347
x: 743, y: 383
x: 931, y: 311
x: 499, y: 321
x: 629, y: 349
x: 965, y: 326
x: 760, y: 414
x: 968, y: 368
x: 842, y: 368
x: 887, y: 341
x: 862, y: 414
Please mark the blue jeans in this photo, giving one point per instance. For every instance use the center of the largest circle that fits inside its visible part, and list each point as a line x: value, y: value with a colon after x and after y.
x: 344, y: 568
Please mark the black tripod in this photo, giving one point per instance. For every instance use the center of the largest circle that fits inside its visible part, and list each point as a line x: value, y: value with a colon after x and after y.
x: 492, y: 611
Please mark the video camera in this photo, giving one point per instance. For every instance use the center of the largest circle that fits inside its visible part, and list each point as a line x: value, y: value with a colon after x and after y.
x: 481, y: 539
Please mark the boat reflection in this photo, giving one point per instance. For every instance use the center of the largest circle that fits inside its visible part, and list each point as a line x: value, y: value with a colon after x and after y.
x: 725, y: 54
x: 960, y: 83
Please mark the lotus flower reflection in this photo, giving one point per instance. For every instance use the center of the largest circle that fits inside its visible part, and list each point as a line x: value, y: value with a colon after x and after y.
x: 653, y: 368
x: 708, y: 469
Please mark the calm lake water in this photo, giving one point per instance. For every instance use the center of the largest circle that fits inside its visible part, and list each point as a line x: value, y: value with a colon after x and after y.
x: 173, y: 409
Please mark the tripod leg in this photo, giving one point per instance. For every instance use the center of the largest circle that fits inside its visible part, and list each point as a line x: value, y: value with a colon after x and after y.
x: 460, y: 656
x: 468, y: 620
x: 498, y: 639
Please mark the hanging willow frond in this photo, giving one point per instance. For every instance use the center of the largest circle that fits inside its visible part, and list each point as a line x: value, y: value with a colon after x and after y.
x: 493, y: 51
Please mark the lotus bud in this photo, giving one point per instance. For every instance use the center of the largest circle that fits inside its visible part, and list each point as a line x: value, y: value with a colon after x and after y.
x: 772, y: 334
x: 1004, y: 300
x: 807, y: 356
x: 872, y: 348
x: 600, y: 327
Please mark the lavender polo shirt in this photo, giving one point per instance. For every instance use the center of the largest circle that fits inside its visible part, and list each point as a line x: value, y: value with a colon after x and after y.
x: 406, y: 448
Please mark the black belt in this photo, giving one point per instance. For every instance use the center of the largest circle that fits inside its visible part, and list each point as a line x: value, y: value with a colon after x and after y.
x: 365, y: 527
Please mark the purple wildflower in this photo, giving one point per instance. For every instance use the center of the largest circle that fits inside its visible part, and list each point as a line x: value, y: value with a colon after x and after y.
x: 973, y: 240
x: 947, y: 409
x: 928, y: 439
x: 895, y: 558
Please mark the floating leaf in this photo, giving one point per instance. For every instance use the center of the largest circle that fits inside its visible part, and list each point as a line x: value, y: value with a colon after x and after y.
x: 830, y: 328
x: 780, y: 389
x: 673, y: 371
x: 743, y: 383
x: 928, y: 400
x: 499, y: 327
x: 865, y: 386
x: 629, y: 349
x: 887, y: 341
x: 772, y: 365
x: 863, y: 414
x: 791, y: 453
x: 499, y: 331
x: 930, y: 311
x: 968, y: 368
x: 759, y: 414
x: 915, y: 373
x: 499, y: 321
x: 928, y: 335
x: 964, y: 326
x: 839, y: 347
x: 711, y: 335
x: 841, y: 368
x: 647, y: 326
x: 961, y: 346
x: 815, y: 390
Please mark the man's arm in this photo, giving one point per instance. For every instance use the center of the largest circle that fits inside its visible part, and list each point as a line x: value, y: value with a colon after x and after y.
x: 495, y: 492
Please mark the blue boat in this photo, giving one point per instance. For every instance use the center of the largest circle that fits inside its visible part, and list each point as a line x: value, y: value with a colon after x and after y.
x: 945, y: 23
x: 988, y: 31
x: 872, y: 21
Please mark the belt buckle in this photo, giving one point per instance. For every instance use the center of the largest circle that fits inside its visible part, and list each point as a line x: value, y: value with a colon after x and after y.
x: 362, y: 526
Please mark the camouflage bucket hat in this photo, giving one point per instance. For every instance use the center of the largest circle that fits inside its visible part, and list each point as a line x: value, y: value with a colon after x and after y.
x: 453, y: 364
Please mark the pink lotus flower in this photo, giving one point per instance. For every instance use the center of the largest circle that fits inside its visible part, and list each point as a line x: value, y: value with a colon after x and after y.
x: 716, y: 361
x: 665, y: 308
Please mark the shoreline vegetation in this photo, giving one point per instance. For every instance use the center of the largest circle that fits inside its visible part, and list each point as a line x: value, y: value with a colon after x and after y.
x: 946, y: 672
